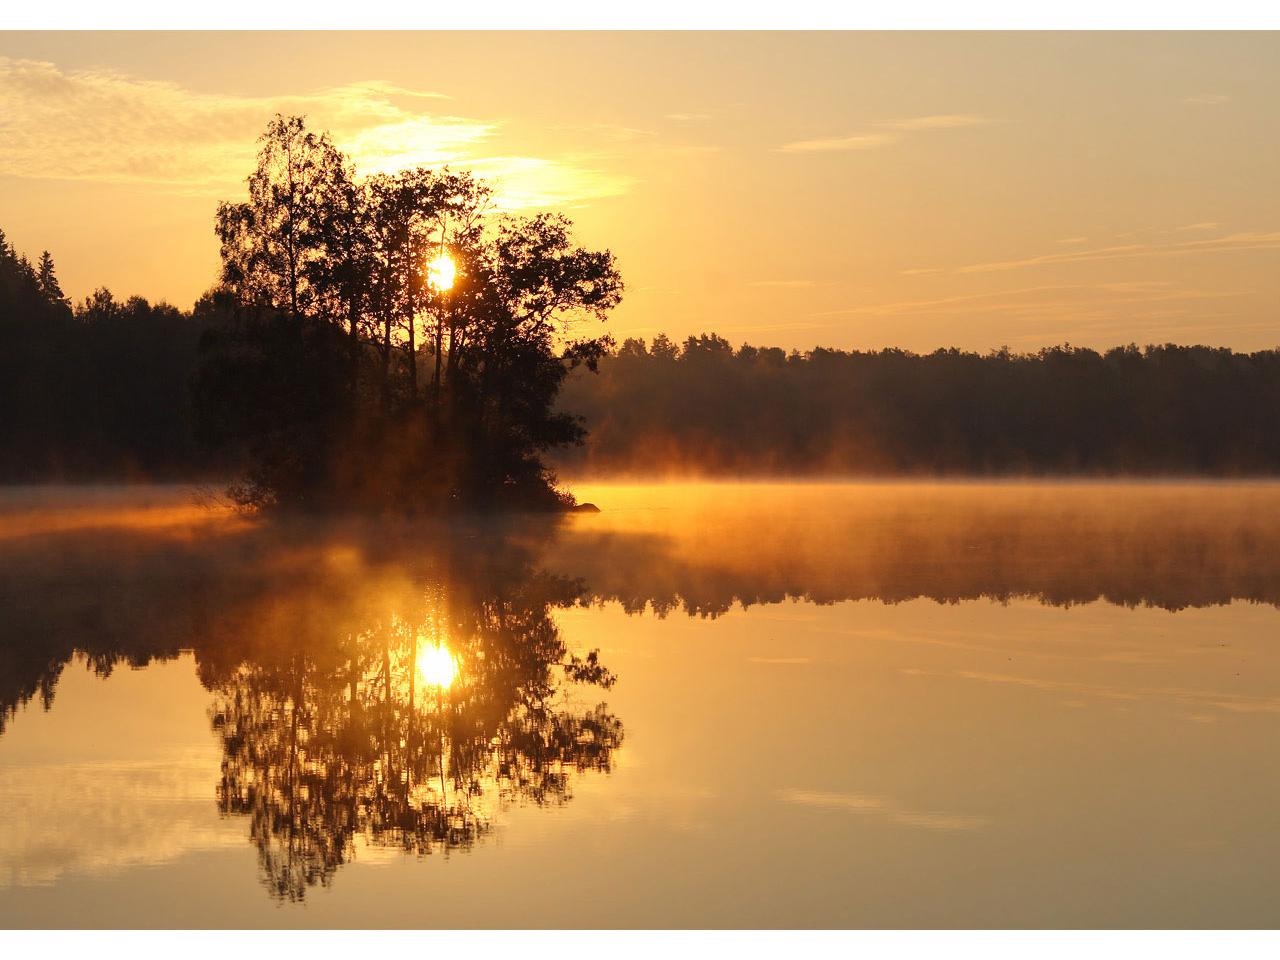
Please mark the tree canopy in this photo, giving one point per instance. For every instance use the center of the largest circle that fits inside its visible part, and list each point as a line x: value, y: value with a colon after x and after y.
x: 704, y: 407
x: 333, y: 729
x: 395, y: 341
x: 321, y: 406
x: 92, y: 389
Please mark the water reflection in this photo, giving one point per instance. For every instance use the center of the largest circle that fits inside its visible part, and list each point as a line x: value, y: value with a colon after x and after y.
x: 394, y: 695
x: 705, y: 548
x: 396, y: 686
x: 147, y: 578
x: 411, y: 732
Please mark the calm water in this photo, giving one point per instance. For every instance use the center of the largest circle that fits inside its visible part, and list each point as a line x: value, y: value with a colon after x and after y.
x: 812, y: 705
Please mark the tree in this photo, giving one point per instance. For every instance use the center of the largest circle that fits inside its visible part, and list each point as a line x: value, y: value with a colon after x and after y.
x: 274, y: 244
x: 48, y: 280
x: 346, y: 735
x: 315, y: 252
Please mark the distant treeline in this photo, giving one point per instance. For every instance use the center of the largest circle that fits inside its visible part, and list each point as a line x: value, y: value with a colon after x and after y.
x: 98, y: 390
x: 705, y: 407
x: 103, y: 390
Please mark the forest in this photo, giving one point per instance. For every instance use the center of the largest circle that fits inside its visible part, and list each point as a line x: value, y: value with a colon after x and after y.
x: 98, y: 390
x: 704, y: 407
x: 393, y: 343
x: 390, y: 342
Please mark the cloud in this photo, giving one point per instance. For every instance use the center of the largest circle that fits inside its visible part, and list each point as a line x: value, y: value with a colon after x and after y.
x: 1230, y: 243
x: 882, y: 138
x: 864, y: 141
x: 687, y: 117
x: 532, y: 182
x: 1170, y: 247
x: 691, y: 149
x: 1155, y: 304
x: 412, y: 141
x: 792, y: 325
x: 790, y: 284
x: 943, y: 121
x: 105, y: 126
x: 1207, y: 99
x: 611, y: 132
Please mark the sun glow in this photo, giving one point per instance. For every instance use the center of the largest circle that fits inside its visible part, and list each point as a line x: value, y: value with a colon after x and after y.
x: 441, y: 272
x: 437, y: 666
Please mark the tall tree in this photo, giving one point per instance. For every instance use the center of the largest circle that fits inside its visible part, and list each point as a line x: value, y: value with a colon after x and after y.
x: 47, y: 279
x: 273, y: 244
x: 326, y: 251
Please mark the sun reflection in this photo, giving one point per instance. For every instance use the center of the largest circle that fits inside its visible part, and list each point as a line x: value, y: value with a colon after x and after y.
x: 437, y: 666
x: 441, y: 272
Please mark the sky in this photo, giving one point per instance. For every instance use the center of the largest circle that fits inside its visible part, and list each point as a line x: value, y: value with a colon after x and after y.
x: 851, y: 190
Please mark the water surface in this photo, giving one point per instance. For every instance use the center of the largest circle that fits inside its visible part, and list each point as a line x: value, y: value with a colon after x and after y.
x: 719, y: 705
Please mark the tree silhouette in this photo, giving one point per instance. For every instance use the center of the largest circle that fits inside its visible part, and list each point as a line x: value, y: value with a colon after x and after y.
x: 331, y: 317
x: 132, y: 595
x: 333, y: 735
x: 326, y: 743
x: 308, y: 633
x: 384, y: 392
x: 47, y: 280
x: 706, y: 407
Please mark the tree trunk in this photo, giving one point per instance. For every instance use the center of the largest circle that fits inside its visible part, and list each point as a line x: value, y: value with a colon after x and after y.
x: 353, y: 331
x: 386, y: 360
x: 435, y: 380
x: 413, y: 356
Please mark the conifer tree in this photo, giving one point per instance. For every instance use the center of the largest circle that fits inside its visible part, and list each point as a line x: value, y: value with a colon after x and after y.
x: 47, y: 279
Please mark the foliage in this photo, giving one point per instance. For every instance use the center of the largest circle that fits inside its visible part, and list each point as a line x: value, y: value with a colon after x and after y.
x: 97, y: 389
x: 706, y: 407
x: 350, y: 379
x: 331, y: 734
x: 313, y: 414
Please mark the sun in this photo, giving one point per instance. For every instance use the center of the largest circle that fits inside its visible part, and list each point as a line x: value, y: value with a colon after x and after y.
x: 437, y: 666
x: 441, y: 272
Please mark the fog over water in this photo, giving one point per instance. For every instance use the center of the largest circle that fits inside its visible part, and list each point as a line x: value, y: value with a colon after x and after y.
x: 823, y: 704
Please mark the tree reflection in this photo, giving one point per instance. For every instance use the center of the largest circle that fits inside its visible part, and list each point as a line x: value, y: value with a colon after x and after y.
x: 339, y: 724
x: 331, y: 742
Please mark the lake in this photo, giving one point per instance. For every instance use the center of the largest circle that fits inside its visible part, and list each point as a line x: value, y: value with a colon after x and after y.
x: 708, y: 705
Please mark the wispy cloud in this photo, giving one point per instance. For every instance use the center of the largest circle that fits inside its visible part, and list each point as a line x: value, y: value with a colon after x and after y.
x: 1160, y: 242
x: 881, y: 806
x: 1234, y: 242
x: 531, y: 182
x: 610, y: 132
x: 789, y: 325
x: 886, y: 133
x: 687, y: 117
x: 1158, y: 302
x: 690, y: 149
x: 788, y: 284
x: 862, y: 141
x: 106, y: 126
x: 940, y: 121
x: 1207, y: 99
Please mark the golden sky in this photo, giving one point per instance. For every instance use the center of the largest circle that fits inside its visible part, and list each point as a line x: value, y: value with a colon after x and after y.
x: 844, y: 189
